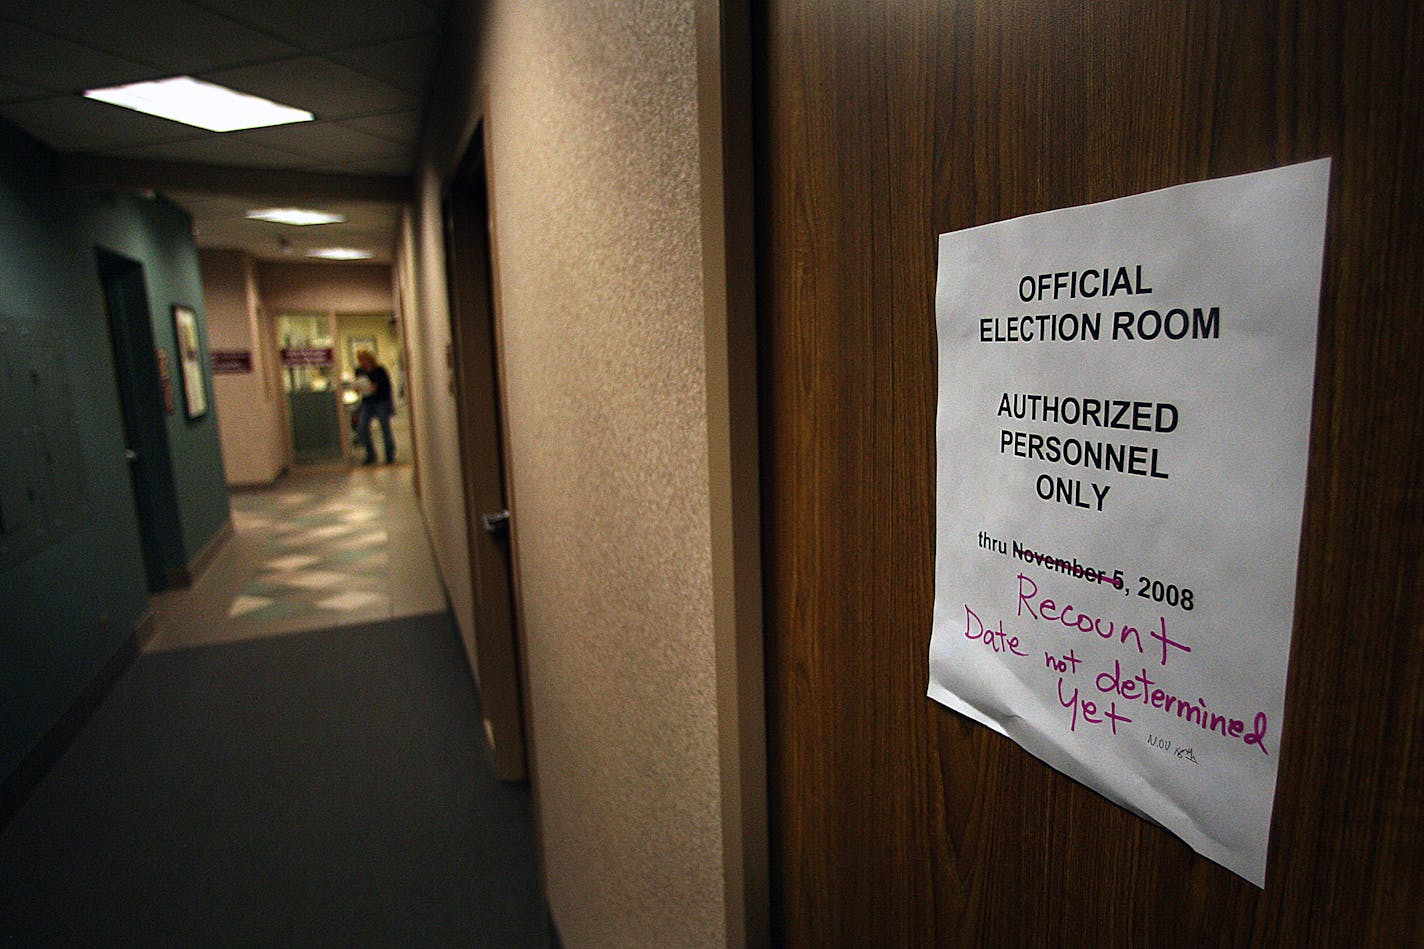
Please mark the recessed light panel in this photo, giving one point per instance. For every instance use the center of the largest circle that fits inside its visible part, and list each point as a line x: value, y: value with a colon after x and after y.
x: 340, y: 253
x: 201, y: 104
x: 301, y: 217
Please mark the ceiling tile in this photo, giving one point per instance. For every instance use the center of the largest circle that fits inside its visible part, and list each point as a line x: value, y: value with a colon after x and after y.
x: 196, y: 203
x: 73, y: 123
x: 322, y: 141
x: 317, y: 27
x: 228, y: 152
x: 329, y: 89
x: 31, y: 57
x: 18, y: 91
x: 173, y: 36
x: 395, y: 165
x: 363, y: 67
x: 358, y: 213
x: 224, y: 219
x: 403, y: 128
x: 405, y: 64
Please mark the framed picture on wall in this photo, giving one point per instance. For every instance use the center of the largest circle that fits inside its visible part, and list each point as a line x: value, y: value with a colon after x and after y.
x: 190, y: 360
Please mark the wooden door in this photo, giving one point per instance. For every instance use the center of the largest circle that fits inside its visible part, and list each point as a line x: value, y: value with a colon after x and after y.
x: 475, y: 353
x: 883, y: 124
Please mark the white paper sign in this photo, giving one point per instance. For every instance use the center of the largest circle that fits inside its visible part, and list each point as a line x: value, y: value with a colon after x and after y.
x: 1124, y: 410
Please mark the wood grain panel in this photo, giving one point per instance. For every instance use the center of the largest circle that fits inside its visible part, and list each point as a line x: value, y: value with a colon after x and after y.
x: 883, y: 124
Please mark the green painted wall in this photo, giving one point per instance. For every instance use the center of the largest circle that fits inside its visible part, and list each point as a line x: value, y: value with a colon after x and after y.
x: 158, y: 235
x: 67, y: 608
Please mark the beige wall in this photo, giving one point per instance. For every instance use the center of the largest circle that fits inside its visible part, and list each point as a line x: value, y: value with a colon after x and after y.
x: 427, y: 319
x: 249, y: 412
x: 594, y: 163
x: 324, y: 288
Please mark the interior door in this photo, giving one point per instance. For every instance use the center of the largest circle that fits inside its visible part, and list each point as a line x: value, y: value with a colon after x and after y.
x: 895, y: 821
x: 143, y: 406
x: 490, y: 523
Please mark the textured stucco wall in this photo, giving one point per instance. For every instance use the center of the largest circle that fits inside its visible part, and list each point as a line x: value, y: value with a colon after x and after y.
x: 426, y: 313
x: 594, y: 167
x: 594, y: 141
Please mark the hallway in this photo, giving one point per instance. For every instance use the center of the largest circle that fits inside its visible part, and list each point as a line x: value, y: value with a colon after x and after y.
x: 296, y: 759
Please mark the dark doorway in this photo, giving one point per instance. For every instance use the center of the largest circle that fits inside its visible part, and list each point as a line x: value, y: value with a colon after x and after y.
x: 144, y: 406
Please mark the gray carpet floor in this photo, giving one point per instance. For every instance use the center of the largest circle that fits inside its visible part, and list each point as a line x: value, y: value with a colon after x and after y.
x: 325, y: 788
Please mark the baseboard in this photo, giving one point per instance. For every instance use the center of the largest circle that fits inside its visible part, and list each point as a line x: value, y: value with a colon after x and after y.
x: 144, y: 630
x: 20, y: 783
x: 188, y: 574
x: 237, y: 487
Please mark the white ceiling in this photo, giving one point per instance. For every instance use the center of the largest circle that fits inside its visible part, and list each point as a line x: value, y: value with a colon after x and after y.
x: 362, y: 66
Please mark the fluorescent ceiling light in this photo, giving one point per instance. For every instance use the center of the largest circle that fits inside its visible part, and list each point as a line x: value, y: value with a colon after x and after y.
x: 298, y: 216
x: 340, y: 253
x: 202, y: 104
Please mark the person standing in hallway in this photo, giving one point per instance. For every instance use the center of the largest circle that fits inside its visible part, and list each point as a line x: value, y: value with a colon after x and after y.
x: 374, y: 384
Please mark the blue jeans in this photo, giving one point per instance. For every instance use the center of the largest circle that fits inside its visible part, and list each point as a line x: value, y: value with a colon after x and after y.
x: 382, y: 412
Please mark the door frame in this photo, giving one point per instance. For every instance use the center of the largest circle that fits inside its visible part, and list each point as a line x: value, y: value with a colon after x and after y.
x: 477, y: 347
x: 726, y: 97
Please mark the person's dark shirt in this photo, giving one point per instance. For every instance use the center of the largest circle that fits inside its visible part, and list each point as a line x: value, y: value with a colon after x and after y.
x: 381, y: 380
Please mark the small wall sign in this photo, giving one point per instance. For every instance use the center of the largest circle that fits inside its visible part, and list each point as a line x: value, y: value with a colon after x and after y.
x: 297, y: 356
x: 230, y: 360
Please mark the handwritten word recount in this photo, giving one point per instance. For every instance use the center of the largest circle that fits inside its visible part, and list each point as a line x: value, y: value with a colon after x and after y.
x: 1126, y: 634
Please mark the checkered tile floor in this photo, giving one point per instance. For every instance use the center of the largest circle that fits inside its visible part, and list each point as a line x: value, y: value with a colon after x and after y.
x: 321, y: 553
x: 323, y: 549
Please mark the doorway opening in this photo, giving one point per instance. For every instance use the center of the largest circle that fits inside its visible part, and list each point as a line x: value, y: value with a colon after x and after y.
x: 308, y: 352
x: 318, y: 358
x: 378, y: 334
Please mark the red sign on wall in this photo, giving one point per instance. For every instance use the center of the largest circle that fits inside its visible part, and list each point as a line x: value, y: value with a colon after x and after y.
x: 231, y: 360
x: 309, y: 356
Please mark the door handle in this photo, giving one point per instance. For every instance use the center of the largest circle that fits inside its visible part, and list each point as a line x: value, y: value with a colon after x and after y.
x: 130, y: 455
x: 496, y: 522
